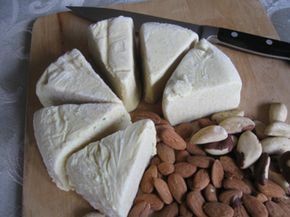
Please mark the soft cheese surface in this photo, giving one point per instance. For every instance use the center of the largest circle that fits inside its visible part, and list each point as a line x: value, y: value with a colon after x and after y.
x: 107, y: 173
x: 162, y: 46
x: 62, y: 130
x: 71, y: 79
x: 111, y: 42
x: 206, y: 81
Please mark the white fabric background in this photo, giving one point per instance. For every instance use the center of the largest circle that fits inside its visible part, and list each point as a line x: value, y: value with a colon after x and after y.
x: 16, y: 17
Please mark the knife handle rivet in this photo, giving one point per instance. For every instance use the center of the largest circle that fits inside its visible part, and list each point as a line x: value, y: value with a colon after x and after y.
x: 234, y: 34
x: 269, y: 42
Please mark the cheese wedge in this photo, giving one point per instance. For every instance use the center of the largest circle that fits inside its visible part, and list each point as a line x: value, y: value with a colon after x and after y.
x: 71, y: 79
x: 107, y: 173
x: 206, y: 81
x: 162, y: 46
x: 62, y: 130
x: 111, y: 43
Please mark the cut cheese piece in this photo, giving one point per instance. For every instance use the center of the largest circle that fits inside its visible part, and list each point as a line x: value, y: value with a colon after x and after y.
x: 206, y: 81
x: 162, y: 46
x: 111, y: 43
x: 71, y: 79
x: 62, y: 130
x: 107, y: 173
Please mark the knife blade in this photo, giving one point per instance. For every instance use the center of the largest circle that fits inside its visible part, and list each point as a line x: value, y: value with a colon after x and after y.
x: 231, y: 38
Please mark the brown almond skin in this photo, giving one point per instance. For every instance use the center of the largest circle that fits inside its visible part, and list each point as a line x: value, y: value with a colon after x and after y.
x: 230, y: 167
x: 200, y: 161
x: 216, y: 209
x: 165, y: 153
x: 261, y: 197
x: 154, y: 201
x: 271, y: 189
x: 177, y: 186
x: 239, y: 209
x: 227, y: 196
x: 282, y: 204
x: 141, y: 209
x: 254, y: 207
x: 172, y: 139
x: 195, y: 149
x: 180, y: 156
x: 184, y: 211
x: 163, y: 190
x: 200, y: 180
x: 147, y: 180
x: 168, y: 211
x: 139, y: 115
x: 274, y: 209
x: 209, y: 193
x: 185, y: 130
x: 217, y: 174
x: 237, y: 184
x: 205, y: 122
x: 155, y: 160
x: 165, y: 168
x: 185, y: 169
x: 195, y: 202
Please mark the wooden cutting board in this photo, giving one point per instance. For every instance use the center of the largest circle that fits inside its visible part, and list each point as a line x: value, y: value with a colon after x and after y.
x: 264, y: 80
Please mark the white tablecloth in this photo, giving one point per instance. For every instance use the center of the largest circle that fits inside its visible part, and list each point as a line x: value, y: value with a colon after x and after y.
x: 16, y: 17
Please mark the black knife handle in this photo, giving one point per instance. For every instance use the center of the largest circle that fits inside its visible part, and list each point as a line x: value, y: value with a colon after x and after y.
x: 248, y: 42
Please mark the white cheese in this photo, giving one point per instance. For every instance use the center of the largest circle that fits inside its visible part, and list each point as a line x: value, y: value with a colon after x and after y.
x: 107, y: 173
x: 111, y: 43
x: 62, y: 130
x: 162, y: 47
x: 71, y: 79
x: 206, y: 81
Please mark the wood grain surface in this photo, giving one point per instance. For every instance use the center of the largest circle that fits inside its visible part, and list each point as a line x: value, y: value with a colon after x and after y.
x: 264, y: 80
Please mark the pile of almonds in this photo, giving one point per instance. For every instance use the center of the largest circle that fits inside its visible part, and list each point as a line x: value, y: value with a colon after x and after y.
x: 226, y: 165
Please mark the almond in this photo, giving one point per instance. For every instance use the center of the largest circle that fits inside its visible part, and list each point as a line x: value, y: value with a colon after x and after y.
x: 163, y: 190
x: 141, y: 209
x: 217, y: 174
x: 165, y: 153
x: 184, y: 169
x: 200, y: 161
x: 228, y: 195
x: 154, y: 201
x: 168, y: 211
x: 184, y: 211
x: 210, y: 193
x: 139, y: 115
x: 181, y: 155
x: 271, y: 189
x: 205, y: 122
x: 239, y: 209
x: 147, y: 180
x: 194, y: 149
x: 200, y: 180
x: 254, y: 207
x: 155, y: 161
x: 283, y: 204
x: 216, y: 209
x: 230, y: 168
x: 166, y: 168
x: 261, y: 197
x: 236, y: 184
x: 185, y: 130
x: 195, y: 202
x: 274, y: 209
x: 172, y: 139
x: 177, y: 187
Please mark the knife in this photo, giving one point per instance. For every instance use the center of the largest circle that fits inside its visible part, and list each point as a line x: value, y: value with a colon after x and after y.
x: 231, y: 38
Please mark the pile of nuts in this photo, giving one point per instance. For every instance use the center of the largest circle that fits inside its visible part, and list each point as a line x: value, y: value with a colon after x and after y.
x: 226, y: 165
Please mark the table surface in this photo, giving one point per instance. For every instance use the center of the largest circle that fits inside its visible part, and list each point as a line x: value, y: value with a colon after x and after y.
x: 15, y: 28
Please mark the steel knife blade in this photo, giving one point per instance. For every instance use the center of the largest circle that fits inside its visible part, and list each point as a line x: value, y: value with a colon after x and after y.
x: 231, y: 38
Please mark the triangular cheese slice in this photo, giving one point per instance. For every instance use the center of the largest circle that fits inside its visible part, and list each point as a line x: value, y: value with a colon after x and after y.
x: 62, y: 130
x: 107, y: 173
x: 205, y: 82
x: 71, y: 79
x: 162, y: 46
x: 111, y: 43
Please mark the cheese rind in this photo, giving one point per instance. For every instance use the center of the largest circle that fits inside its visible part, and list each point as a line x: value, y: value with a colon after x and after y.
x: 111, y: 43
x: 205, y: 81
x: 71, y: 79
x: 62, y: 130
x: 107, y: 173
x: 162, y: 46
